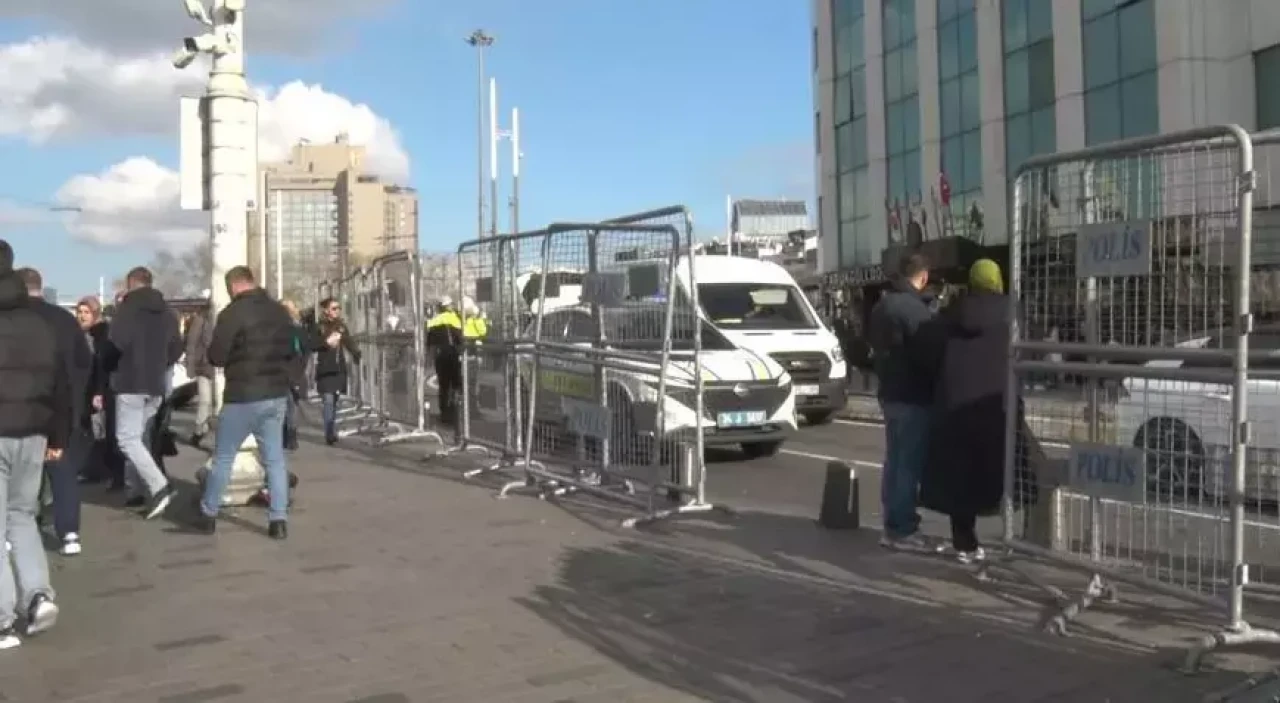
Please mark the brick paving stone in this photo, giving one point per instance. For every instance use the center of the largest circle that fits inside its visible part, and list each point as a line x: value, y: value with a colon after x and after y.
x: 402, y: 583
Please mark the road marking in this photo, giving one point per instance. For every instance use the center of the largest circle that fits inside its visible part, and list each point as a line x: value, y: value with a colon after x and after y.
x: 824, y: 457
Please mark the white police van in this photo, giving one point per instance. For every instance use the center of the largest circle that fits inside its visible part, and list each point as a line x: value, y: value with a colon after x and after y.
x: 758, y: 306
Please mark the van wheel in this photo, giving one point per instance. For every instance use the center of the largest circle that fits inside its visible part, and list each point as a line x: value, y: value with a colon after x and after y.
x: 1175, y: 459
x: 760, y: 450
x: 819, y: 417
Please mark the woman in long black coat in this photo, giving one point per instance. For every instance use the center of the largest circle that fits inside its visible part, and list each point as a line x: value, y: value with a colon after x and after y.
x: 964, y: 476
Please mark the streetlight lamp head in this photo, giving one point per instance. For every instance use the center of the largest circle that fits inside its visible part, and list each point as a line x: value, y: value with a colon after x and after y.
x: 479, y: 38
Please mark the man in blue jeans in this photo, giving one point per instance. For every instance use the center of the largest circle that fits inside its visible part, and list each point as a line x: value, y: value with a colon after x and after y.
x: 35, y: 419
x: 253, y: 343
x: 76, y: 361
x: 144, y: 344
x: 905, y: 366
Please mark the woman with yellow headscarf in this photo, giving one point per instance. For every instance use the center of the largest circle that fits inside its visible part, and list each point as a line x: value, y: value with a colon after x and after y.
x: 964, y: 476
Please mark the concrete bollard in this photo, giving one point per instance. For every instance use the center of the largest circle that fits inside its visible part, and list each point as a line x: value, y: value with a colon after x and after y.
x: 840, y: 508
x: 247, y: 475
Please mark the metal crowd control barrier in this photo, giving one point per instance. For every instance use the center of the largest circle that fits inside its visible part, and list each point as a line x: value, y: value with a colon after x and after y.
x: 614, y: 376
x: 1139, y: 254
x: 690, y: 478
x: 490, y: 414
x: 383, y: 311
x: 357, y: 406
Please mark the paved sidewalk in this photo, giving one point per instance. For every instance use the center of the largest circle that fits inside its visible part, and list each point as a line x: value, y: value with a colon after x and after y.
x: 402, y: 584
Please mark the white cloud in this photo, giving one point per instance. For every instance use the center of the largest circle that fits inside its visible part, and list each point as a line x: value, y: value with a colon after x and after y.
x: 299, y: 111
x: 59, y: 89
x: 133, y: 202
x: 273, y: 26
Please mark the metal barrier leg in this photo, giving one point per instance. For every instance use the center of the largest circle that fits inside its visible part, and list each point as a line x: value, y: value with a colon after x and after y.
x: 1239, y: 637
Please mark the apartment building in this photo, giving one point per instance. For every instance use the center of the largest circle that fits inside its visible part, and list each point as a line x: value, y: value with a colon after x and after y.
x: 325, y: 215
x: 918, y: 102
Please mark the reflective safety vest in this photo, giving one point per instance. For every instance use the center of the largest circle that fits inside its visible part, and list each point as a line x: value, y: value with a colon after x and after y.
x: 475, y: 328
x: 448, y: 318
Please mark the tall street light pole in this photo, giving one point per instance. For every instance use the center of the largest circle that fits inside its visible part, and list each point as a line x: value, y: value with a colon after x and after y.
x: 495, y: 134
x: 480, y: 41
x: 516, y: 156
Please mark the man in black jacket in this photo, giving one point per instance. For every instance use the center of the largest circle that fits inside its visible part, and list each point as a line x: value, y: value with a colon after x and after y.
x: 35, y: 417
x: 76, y: 362
x: 253, y: 343
x: 906, y: 372
x: 145, y: 344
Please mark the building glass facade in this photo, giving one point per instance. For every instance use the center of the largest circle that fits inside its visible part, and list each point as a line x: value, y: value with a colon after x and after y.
x: 308, y: 237
x: 857, y: 243
x: 902, y: 101
x: 1031, y: 126
x: 1121, y: 98
x: 960, y: 108
x: 1266, y: 86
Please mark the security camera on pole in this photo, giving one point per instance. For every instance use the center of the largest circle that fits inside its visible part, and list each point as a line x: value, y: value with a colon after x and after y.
x: 219, y: 158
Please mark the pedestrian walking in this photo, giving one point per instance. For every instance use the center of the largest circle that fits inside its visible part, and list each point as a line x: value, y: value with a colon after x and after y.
x: 35, y: 419
x: 253, y: 343
x: 105, y: 462
x: 964, y: 475
x: 144, y: 346
x: 444, y: 344
x: 199, y: 332
x: 333, y: 346
x: 299, y: 377
x: 905, y: 365
x: 76, y: 363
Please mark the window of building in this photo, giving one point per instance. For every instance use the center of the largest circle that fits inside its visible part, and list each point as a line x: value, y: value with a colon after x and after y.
x: 1121, y: 98
x: 902, y: 101
x: 1266, y: 86
x: 1029, y: 81
x: 960, y: 108
x: 855, y: 245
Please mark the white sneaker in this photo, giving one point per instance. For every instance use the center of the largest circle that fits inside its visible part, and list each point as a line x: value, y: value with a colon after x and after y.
x: 973, y: 557
x: 9, y: 638
x: 42, y: 615
x: 71, y: 545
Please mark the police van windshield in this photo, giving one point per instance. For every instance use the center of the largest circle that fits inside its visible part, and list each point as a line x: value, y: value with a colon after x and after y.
x: 755, y: 306
x: 560, y: 284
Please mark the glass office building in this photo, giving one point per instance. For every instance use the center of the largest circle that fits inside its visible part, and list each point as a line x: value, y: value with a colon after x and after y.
x: 924, y: 109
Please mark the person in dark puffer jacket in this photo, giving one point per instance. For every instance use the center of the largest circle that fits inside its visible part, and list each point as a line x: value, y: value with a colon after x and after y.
x: 77, y: 363
x: 253, y: 343
x: 35, y: 420
x: 145, y: 343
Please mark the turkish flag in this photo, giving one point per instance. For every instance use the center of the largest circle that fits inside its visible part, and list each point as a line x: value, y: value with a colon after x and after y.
x: 944, y: 189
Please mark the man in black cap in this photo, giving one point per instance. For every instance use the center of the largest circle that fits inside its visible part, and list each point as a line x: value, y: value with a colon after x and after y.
x: 35, y: 417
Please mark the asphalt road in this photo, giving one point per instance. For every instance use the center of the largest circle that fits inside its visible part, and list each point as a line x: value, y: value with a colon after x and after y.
x: 1173, y: 544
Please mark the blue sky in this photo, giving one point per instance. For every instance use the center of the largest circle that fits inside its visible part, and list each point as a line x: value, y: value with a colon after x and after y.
x: 625, y: 105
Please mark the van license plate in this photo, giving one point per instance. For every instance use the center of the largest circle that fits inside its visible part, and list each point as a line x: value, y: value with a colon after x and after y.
x: 744, y: 418
x: 807, y: 390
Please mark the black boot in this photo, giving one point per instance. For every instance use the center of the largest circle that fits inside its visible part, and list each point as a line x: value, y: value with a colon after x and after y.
x: 278, y: 529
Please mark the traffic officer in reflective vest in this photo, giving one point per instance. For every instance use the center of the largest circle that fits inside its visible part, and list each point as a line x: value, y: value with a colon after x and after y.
x: 474, y: 328
x: 444, y: 343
